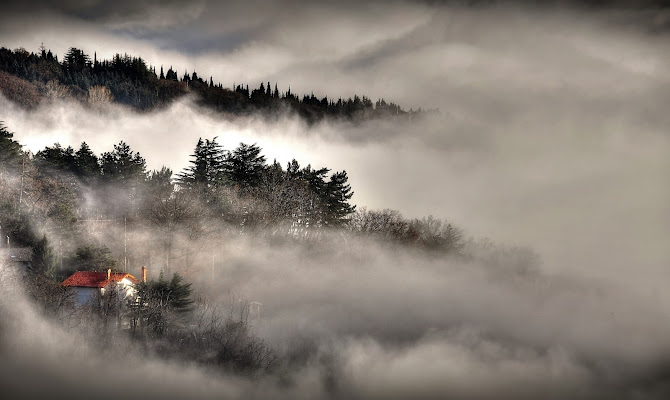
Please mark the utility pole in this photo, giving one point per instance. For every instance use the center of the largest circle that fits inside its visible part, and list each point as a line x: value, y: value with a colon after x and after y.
x: 125, y: 246
x: 23, y: 169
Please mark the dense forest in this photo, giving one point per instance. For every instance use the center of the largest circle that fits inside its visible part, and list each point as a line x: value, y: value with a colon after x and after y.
x: 68, y: 193
x: 79, y: 211
x: 27, y: 78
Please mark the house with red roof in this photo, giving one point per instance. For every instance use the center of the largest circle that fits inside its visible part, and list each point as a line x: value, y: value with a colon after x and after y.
x: 91, y: 286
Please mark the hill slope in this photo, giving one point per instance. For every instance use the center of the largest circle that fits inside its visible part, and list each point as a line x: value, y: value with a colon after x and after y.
x: 27, y: 78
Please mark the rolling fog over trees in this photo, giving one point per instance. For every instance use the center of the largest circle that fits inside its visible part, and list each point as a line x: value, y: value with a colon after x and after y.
x: 355, y: 302
x: 512, y: 245
x: 28, y: 78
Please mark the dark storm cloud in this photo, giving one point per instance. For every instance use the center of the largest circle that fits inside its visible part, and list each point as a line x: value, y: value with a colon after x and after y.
x: 194, y: 26
x: 96, y: 9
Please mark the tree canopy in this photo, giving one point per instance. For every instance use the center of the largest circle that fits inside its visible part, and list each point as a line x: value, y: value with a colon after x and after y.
x: 129, y: 80
x: 10, y: 149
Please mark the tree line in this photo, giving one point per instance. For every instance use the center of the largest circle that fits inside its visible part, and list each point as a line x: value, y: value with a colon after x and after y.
x: 72, y: 204
x: 66, y: 194
x: 82, y: 211
x: 28, y: 77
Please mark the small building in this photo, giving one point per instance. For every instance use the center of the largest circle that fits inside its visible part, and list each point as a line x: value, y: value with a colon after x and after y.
x: 21, y: 257
x: 91, y: 286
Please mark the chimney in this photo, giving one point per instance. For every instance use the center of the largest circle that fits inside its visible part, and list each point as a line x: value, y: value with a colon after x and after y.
x: 144, y: 274
x: 109, y: 273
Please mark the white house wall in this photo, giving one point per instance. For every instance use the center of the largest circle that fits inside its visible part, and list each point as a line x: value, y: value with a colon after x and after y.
x: 86, y: 296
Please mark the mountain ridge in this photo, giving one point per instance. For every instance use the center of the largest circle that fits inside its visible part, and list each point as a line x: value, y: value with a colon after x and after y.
x: 28, y: 78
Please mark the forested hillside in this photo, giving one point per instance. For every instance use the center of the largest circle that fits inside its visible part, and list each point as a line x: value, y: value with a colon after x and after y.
x: 79, y: 201
x: 64, y: 190
x: 28, y: 78
x: 78, y: 211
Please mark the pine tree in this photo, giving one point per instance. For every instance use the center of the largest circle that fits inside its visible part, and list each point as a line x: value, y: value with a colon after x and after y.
x: 315, y: 178
x: 171, y: 75
x: 293, y: 170
x: 75, y: 60
x: 124, y: 172
x: 87, y: 167
x: 163, y: 301
x: 337, y: 193
x: 206, y: 166
x: 56, y: 159
x: 244, y: 166
x: 159, y: 183
x: 179, y: 294
x: 91, y: 258
x: 44, y: 261
x: 314, y: 210
x: 10, y: 150
x: 123, y: 164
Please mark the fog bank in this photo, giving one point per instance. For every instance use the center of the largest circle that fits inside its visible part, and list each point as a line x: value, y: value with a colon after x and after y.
x: 552, y: 133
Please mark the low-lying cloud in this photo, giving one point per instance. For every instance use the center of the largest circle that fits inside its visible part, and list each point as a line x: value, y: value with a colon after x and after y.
x: 355, y: 319
x: 552, y: 133
x: 585, y: 192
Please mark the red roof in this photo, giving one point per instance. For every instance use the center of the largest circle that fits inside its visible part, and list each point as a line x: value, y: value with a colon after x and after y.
x: 96, y: 279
